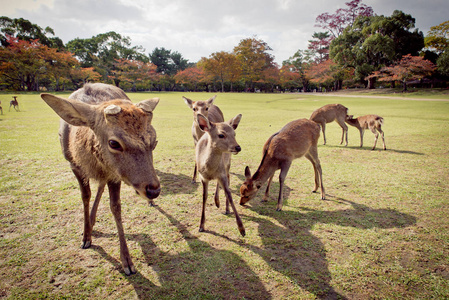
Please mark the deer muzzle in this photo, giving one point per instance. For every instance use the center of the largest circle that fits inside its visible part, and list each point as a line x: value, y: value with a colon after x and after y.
x: 151, y: 192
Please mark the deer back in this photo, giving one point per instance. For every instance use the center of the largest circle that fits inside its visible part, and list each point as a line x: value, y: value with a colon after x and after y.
x: 328, y: 113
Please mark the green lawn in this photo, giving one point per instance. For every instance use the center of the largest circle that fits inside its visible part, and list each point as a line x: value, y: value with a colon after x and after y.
x: 382, y: 232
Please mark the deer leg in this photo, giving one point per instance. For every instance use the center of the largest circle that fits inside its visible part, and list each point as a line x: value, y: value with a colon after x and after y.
x: 93, y: 212
x: 361, y: 137
x: 383, y: 138
x: 85, y: 196
x: 376, y: 136
x: 194, y: 174
x: 323, y: 128
x: 313, y: 157
x: 116, y: 208
x: 217, y: 197
x: 203, y: 211
x: 267, y: 191
x: 225, y: 184
x: 284, y: 170
x: 344, y: 129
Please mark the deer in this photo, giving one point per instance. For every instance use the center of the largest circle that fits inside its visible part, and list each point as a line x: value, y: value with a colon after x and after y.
x: 107, y: 138
x: 14, y: 103
x: 330, y: 113
x: 213, y: 160
x: 371, y: 122
x: 207, y: 109
x: 296, y: 139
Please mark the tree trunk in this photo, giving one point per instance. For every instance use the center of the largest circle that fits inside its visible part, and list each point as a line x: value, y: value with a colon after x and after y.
x: 371, y: 82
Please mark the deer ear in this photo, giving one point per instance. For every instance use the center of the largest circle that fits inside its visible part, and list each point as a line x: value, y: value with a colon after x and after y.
x: 211, y: 100
x: 203, y: 123
x: 247, y: 173
x: 188, y: 102
x: 234, y: 122
x: 148, y: 105
x: 74, y: 112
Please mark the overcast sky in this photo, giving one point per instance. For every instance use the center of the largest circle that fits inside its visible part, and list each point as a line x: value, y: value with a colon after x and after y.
x: 198, y: 28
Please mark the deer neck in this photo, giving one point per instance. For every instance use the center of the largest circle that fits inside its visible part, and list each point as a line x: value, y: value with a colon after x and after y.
x: 264, y: 172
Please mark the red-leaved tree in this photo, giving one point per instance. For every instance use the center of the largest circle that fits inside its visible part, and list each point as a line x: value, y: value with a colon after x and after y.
x: 408, y: 68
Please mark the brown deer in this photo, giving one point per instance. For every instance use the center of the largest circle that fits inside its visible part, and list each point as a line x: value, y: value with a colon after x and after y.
x: 213, y: 159
x: 14, y: 103
x: 330, y: 113
x: 107, y: 138
x: 207, y: 109
x: 371, y: 122
x: 296, y: 139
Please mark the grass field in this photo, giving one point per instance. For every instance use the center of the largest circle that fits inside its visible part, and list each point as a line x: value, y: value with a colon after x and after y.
x: 382, y: 233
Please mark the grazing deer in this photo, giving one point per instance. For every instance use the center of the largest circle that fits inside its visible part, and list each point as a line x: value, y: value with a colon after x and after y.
x: 107, y: 138
x: 207, y: 109
x: 213, y: 159
x: 14, y: 103
x: 330, y: 113
x: 296, y: 139
x: 371, y: 122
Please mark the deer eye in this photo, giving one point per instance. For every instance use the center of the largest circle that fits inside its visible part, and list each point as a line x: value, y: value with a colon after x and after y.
x: 115, y: 145
x: 221, y: 136
x: 207, y: 108
x: 195, y: 109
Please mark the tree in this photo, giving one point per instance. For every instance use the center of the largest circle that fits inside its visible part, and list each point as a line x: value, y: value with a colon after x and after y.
x: 319, y: 45
x: 408, y: 68
x: 222, y: 66
x: 21, y: 63
x: 253, y: 58
x: 26, y: 31
x: 299, y: 63
x: 343, y: 17
x: 167, y: 62
x: 438, y: 37
x: 102, y: 51
x: 374, y: 42
x: 190, y: 77
x: 132, y: 72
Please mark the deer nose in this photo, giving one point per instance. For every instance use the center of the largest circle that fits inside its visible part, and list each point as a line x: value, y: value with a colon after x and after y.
x: 152, y: 193
x: 238, y: 148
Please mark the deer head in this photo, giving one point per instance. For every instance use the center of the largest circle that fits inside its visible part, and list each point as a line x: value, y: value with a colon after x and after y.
x: 121, y: 138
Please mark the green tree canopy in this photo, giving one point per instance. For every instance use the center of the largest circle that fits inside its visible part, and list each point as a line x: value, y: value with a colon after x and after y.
x: 373, y: 42
x: 168, y: 62
x: 26, y: 31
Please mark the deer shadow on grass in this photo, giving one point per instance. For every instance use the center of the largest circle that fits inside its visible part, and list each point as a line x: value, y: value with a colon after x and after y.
x: 292, y: 250
x: 368, y: 148
x: 201, y: 272
x: 176, y: 183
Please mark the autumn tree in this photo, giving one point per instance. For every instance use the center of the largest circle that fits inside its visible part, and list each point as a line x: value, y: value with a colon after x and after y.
x: 408, y: 68
x: 253, y: 57
x: 336, y: 23
x: 319, y: 45
x: 132, y: 72
x: 221, y: 65
x: 190, y: 78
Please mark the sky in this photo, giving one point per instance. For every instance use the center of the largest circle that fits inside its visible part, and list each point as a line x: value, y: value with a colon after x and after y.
x: 198, y: 28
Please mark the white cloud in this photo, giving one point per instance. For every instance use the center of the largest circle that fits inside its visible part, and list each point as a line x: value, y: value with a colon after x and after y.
x: 197, y: 28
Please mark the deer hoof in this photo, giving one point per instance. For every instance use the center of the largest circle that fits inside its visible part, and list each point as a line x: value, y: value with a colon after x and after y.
x: 201, y: 229
x: 130, y: 270
x: 242, y: 231
x: 86, y: 244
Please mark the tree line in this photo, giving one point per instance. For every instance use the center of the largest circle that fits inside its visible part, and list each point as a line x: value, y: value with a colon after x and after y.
x: 356, y: 48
